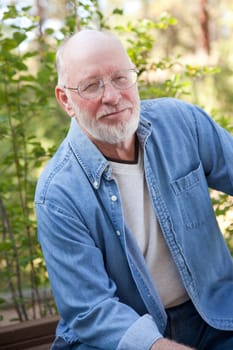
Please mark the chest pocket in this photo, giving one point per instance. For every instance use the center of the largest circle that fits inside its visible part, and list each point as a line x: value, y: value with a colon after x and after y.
x: 193, y: 198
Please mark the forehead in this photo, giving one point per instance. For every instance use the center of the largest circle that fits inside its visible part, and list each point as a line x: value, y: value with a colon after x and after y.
x: 94, y: 55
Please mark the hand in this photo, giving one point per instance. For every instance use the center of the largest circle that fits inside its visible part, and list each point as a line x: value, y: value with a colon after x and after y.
x: 166, y: 344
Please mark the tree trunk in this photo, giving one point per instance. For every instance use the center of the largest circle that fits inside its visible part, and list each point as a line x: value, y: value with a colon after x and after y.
x: 204, y: 26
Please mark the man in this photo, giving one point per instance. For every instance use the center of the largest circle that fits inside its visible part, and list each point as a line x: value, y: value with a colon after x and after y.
x: 133, y: 250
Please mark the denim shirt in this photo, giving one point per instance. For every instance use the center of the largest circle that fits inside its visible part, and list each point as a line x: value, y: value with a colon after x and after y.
x: 104, y: 293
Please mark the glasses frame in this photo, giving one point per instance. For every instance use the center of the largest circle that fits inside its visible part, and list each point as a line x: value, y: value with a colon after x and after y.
x: 103, y: 83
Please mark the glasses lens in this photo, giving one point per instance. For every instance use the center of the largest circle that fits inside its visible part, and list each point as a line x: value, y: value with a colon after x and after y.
x: 90, y: 88
x: 124, y: 79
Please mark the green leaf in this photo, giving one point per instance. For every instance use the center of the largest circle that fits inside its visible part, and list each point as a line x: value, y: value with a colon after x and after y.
x: 49, y: 31
x: 11, y: 12
x: 19, y: 37
x: 118, y: 11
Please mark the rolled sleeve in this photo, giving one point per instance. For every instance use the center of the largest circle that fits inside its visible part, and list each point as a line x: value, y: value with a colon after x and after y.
x: 141, y: 335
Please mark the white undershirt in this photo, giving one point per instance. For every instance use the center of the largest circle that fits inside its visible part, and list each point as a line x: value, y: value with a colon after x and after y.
x: 140, y: 218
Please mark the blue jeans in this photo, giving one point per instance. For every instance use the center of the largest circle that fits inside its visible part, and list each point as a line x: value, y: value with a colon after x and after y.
x: 184, y: 326
x: 187, y: 327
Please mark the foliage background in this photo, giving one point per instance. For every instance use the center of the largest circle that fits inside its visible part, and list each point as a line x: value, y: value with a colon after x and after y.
x: 176, y: 56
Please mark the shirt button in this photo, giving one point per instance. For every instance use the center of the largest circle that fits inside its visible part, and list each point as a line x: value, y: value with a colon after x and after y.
x: 114, y: 198
x: 118, y: 233
x: 95, y: 184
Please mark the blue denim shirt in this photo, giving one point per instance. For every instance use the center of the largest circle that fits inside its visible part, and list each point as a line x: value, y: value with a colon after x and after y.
x: 101, y: 284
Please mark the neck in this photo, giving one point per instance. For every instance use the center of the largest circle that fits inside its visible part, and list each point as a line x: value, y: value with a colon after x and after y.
x: 126, y: 151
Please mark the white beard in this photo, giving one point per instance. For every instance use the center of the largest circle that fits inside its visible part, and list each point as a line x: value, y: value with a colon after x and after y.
x: 100, y: 131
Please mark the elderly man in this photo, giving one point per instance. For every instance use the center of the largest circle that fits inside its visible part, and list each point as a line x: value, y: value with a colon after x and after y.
x: 134, y: 254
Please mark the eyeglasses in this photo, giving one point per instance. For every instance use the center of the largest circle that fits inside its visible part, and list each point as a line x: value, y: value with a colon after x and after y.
x: 93, y: 88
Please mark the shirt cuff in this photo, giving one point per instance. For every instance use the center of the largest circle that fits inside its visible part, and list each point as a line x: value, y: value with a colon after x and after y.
x: 141, y: 335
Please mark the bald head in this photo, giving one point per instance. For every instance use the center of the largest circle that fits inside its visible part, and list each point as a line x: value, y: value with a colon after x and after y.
x: 82, y: 50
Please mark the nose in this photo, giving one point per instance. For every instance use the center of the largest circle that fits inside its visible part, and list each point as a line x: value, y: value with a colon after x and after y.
x: 111, y: 95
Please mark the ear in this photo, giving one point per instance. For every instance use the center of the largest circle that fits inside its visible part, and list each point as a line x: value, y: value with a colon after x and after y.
x: 63, y: 101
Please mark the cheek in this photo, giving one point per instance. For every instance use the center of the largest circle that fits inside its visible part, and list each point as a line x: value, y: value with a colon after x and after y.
x: 132, y: 95
x: 89, y: 107
x: 136, y: 93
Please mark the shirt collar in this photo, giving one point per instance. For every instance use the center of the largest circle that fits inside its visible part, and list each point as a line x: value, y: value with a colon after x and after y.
x: 92, y: 161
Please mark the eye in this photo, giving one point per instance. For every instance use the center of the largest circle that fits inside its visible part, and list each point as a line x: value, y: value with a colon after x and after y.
x: 90, y: 86
x: 120, y: 79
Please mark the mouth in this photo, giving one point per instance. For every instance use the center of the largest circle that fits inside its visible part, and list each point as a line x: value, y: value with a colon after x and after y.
x: 113, y: 113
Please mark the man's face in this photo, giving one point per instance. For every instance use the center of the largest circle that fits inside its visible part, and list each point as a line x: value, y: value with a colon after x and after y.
x: 112, y: 117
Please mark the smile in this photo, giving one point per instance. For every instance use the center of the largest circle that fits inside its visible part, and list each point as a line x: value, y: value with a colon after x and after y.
x: 114, y: 113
